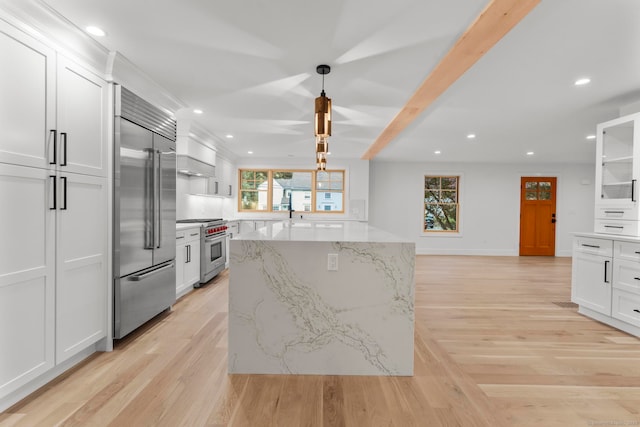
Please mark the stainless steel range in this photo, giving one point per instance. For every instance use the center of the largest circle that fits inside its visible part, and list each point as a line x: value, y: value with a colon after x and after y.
x: 213, y: 246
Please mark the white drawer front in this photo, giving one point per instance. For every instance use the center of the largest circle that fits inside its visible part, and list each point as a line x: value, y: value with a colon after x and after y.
x: 622, y: 227
x: 626, y: 307
x: 192, y: 235
x: 627, y: 213
x: 627, y: 250
x: 626, y: 275
x: 590, y: 245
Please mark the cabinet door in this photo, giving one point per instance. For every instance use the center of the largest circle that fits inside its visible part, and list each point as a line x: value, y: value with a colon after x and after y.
x: 592, y: 282
x: 192, y: 267
x: 27, y: 274
x: 81, y: 282
x: 27, y: 103
x: 181, y: 259
x: 82, y: 114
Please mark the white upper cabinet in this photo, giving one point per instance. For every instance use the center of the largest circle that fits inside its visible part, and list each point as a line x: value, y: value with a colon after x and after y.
x: 27, y: 103
x: 81, y: 124
x: 52, y: 116
x: 617, y: 174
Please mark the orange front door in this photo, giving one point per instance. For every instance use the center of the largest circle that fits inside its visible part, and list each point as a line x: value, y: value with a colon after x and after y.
x: 538, y: 216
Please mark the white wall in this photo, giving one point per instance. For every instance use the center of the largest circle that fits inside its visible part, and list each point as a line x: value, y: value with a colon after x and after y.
x: 356, y: 185
x: 490, y: 204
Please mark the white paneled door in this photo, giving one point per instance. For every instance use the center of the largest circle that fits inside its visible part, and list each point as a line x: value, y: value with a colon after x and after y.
x: 27, y: 270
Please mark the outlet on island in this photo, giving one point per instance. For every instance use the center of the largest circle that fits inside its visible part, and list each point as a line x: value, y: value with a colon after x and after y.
x: 332, y: 262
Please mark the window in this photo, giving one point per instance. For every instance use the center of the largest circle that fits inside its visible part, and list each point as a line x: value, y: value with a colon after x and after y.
x: 300, y: 190
x: 291, y: 188
x: 254, y: 190
x: 331, y: 183
x: 441, y: 203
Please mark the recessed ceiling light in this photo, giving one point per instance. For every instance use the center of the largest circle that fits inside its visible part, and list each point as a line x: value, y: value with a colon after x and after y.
x: 249, y: 152
x: 95, y: 31
x: 471, y: 136
x: 582, y: 81
x: 591, y: 137
x: 530, y: 153
x: 229, y: 136
x: 197, y: 111
x: 437, y: 152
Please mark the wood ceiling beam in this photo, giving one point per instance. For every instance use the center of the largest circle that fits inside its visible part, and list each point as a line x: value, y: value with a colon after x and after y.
x: 496, y: 20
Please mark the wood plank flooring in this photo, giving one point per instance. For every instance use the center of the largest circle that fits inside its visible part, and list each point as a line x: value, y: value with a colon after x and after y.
x: 492, y: 348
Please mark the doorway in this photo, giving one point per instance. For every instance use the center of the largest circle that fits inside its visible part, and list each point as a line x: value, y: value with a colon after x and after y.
x: 538, y: 216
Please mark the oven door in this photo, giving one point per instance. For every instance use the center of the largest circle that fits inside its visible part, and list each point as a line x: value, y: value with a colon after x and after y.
x: 213, y: 257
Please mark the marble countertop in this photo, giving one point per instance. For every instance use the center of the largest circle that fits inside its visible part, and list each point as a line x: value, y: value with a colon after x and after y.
x: 316, y: 231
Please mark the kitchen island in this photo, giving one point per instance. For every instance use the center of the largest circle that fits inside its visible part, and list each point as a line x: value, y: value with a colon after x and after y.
x: 325, y: 298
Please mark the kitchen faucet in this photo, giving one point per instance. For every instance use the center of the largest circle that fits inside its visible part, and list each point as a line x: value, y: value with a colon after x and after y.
x: 291, y: 211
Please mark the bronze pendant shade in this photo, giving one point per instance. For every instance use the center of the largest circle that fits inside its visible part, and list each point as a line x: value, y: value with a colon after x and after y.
x: 322, y: 122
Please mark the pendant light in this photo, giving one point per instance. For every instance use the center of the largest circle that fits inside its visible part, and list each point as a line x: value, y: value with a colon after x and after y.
x: 322, y: 122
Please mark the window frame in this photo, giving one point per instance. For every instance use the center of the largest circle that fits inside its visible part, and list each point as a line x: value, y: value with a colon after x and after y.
x: 314, y: 190
x: 458, y: 204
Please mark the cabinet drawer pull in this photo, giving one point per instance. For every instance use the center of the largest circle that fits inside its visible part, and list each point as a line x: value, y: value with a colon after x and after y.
x: 194, y: 234
x: 637, y: 252
x: 618, y: 212
x: 591, y: 246
x: 636, y: 310
x: 614, y: 226
x: 636, y: 278
x: 179, y: 237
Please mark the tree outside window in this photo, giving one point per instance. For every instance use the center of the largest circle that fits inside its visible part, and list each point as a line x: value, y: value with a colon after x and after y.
x: 254, y: 190
x: 441, y: 203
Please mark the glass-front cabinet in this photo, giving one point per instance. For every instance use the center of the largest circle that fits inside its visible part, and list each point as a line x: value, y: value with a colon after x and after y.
x: 617, y: 173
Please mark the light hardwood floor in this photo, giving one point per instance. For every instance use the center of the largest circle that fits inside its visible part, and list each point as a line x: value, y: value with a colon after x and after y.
x: 492, y: 348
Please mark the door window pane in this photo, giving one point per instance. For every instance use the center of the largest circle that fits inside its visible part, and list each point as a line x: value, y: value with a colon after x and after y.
x: 544, y: 195
x: 531, y: 185
x: 531, y: 195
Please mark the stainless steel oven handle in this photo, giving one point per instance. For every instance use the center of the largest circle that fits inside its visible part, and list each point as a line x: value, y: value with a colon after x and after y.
x: 213, y: 239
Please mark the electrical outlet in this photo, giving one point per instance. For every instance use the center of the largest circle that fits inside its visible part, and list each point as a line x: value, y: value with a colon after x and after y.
x: 332, y: 262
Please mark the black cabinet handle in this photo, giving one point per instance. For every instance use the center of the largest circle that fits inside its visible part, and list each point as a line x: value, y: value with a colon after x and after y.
x: 636, y: 310
x: 55, y: 195
x: 188, y: 253
x: 606, y: 263
x: 55, y: 149
x: 64, y: 198
x: 636, y: 278
x: 614, y: 226
x: 63, y: 136
x: 619, y: 212
x: 591, y: 246
x: 633, y: 190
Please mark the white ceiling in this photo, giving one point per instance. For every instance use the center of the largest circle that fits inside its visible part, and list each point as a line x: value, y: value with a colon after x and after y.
x: 250, y: 65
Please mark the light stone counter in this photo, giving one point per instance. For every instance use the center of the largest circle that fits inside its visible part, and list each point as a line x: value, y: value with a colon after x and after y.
x: 289, y: 315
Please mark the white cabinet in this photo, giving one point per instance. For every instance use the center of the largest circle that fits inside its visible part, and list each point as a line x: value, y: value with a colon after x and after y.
x: 617, y: 173
x: 187, y: 260
x: 592, y: 273
x: 606, y: 280
x: 53, y: 187
x: 226, y: 174
x: 81, y: 268
x: 27, y: 276
x: 52, y: 112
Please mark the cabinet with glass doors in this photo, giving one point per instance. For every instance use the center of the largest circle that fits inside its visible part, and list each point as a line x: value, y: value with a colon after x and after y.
x: 617, y: 173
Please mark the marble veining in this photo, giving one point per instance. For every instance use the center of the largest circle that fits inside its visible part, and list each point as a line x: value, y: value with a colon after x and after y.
x: 288, y: 314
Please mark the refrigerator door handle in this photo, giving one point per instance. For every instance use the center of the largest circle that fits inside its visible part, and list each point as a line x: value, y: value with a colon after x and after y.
x: 158, y: 195
x: 149, y: 219
x: 139, y: 277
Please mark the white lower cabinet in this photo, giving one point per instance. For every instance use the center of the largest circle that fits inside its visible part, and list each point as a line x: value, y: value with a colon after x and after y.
x: 27, y: 276
x: 53, y: 262
x: 187, y: 260
x: 81, y: 291
x: 606, y: 280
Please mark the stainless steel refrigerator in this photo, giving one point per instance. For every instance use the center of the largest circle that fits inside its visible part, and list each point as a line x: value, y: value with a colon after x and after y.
x: 144, y: 211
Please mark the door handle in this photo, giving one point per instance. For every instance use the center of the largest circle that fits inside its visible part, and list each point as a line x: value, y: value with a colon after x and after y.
x: 139, y: 277
x: 63, y: 137
x: 64, y: 199
x: 606, y: 263
x: 158, y: 195
x: 54, y: 192
x: 55, y: 144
